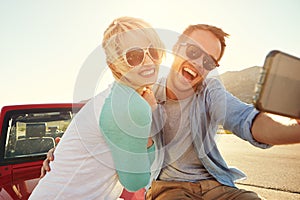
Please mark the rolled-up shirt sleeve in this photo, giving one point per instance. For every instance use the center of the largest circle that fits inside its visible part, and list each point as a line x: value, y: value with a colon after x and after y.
x: 239, y: 119
x: 235, y: 115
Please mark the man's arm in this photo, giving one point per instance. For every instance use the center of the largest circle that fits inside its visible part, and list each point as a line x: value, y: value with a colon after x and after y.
x: 46, y: 167
x: 266, y: 130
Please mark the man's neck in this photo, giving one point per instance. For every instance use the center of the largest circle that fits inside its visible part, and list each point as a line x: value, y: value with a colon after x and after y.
x: 174, y: 94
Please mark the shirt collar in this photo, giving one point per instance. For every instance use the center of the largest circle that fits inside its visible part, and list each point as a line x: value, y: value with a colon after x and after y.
x: 160, y: 91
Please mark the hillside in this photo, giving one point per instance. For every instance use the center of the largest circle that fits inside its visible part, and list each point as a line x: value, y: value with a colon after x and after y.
x: 242, y: 83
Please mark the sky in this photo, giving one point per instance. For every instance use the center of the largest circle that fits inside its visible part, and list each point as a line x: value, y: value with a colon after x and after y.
x: 46, y: 45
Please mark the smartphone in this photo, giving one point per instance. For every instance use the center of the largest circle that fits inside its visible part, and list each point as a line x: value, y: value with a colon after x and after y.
x: 278, y: 89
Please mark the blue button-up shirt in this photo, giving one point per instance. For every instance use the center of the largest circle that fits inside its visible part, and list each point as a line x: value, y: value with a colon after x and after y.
x: 211, y: 106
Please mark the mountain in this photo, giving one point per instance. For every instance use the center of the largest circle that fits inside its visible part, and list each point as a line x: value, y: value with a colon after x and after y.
x: 242, y: 83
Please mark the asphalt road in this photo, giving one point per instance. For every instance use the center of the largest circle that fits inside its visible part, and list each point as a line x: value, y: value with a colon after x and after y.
x: 273, y: 173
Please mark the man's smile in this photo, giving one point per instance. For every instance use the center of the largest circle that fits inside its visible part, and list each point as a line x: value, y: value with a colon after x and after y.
x: 189, y: 72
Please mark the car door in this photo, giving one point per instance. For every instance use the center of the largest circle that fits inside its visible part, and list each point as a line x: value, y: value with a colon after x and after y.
x: 27, y: 133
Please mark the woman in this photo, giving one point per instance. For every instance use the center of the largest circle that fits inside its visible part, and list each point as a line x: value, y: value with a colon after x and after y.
x: 105, y: 147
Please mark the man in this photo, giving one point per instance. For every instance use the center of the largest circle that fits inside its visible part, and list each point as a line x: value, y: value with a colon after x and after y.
x: 188, y: 164
x: 190, y: 109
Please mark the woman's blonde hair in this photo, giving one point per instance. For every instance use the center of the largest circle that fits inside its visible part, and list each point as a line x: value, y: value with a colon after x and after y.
x: 113, y: 38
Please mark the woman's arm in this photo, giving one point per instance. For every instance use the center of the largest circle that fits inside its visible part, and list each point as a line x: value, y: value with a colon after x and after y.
x: 125, y: 122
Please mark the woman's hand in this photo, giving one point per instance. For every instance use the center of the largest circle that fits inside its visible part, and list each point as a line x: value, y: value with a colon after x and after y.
x: 148, y: 95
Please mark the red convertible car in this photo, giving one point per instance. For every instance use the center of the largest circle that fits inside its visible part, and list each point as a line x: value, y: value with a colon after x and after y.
x: 27, y: 133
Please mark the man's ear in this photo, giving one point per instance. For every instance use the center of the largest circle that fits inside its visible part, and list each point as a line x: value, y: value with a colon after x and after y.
x: 175, y: 48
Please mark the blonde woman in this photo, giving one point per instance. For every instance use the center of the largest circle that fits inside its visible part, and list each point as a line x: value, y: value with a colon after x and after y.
x: 106, y: 146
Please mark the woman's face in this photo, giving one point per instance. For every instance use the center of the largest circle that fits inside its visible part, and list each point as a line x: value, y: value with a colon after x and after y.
x: 141, y: 60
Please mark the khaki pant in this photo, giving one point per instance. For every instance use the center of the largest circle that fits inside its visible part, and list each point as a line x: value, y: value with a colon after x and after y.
x: 202, y: 190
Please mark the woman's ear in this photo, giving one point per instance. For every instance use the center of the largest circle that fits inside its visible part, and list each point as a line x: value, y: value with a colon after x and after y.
x: 112, y: 67
x: 116, y: 73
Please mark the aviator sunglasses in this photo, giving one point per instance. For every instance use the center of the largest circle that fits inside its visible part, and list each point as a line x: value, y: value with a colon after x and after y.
x: 136, y: 56
x: 194, y: 52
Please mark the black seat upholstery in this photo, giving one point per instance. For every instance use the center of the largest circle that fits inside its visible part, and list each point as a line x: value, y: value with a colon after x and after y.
x: 34, y: 145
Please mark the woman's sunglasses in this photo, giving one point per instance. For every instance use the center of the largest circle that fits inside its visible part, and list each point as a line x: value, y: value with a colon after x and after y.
x: 194, y: 52
x: 136, y: 56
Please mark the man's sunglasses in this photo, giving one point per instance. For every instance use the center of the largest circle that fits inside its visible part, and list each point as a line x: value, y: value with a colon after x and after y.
x: 194, y: 52
x: 136, y: 56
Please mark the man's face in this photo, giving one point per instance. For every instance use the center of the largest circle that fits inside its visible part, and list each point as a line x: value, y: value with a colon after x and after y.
x: 186, y: 73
